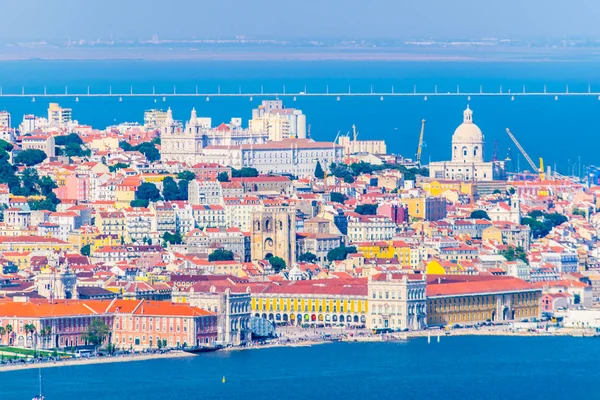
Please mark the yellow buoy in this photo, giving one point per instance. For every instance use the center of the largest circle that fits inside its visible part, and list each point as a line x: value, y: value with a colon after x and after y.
x: 223, y: 380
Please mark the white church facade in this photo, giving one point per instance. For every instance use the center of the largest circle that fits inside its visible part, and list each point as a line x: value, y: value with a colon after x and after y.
x: 186, y: 144
x: 467, y: 156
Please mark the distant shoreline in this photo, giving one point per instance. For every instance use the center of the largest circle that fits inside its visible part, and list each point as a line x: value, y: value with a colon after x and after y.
x: 209, y: 54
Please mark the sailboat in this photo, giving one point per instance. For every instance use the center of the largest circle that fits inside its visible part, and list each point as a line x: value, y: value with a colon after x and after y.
x: 40, y: 396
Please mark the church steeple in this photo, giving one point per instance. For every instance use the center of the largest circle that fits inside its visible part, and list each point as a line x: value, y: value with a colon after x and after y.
x: 468, y: 116
x: 169, y: 119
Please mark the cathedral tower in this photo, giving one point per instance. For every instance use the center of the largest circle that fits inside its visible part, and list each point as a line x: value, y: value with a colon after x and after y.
x: 274, y: 233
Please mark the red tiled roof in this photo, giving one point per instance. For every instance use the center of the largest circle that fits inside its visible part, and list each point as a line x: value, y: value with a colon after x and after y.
x: 441, y: 286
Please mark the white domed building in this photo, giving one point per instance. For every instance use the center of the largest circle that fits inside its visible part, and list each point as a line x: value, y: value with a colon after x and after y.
x: 467, y: 156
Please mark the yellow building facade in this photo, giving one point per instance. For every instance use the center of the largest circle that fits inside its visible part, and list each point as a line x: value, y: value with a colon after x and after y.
x: 111, y: 223
x: 33, y: 243
x: 386, y: 250
x: 495, y: 300
x: 304, y: 308
x: 437, y: 187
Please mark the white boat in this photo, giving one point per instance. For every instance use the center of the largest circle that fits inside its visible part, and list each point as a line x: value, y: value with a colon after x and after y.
x: 40, y: 396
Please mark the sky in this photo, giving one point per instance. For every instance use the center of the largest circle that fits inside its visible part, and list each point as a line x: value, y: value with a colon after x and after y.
x: 285, y: 19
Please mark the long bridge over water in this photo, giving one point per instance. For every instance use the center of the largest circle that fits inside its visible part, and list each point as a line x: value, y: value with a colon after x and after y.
x: 295, y: 94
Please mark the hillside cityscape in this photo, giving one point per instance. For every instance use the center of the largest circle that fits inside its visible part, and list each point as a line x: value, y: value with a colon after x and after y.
x: 192, y: 236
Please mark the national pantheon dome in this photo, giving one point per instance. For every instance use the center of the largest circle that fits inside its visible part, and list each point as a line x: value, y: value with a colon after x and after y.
x: 467, y: 141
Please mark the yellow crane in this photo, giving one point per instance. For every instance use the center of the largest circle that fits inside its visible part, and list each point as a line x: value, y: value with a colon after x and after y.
x: 540, y: 169
x: 420, y: 146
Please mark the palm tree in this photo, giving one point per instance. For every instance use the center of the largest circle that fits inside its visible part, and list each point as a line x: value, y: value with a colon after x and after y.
x: 2, y: 333
x: 9, y: 331
x: 45, y: 333
x: 30, y: 330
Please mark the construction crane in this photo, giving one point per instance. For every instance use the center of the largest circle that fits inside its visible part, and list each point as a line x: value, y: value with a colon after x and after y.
x: 420, y: 147
x: 540, y: 169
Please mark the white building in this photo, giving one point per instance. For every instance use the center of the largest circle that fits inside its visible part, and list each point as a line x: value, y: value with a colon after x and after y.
x: 204, y: 192
x: 186, y: 145
x: 31, y: 123
x: 566, y: 261
x: 297, y: 157
x: 41, y: 142
x: 518, y: 269
x: 238, y: 211
x: 279, y: 122
x: 506, y: 212
x: 233, y: 312
x: 397, y: 302
x: 467, y: 156
x: 367, y: 228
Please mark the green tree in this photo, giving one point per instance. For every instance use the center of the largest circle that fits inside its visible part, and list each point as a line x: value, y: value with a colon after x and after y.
x: 277, y: 263
x: 149, y: 150
x: 30, y: 157
x: 480, y: 214
x: 49, y: 203
x: 245, y: 172
x: 5, y: 146
x: 183, y: 189
x: 117, y: 166
x: 319, y: 173
x: 71, y: 138
x: 221, y: 255
x: 337, y: 197
x: 147, y: 191
x: 186, y: 175
x: 515, y: 253
x: 76, y: 150
x: 366, y: 209
x: 29, y: 183
x: 156, y: 140
x: 7, y: 172
x: 340, y: 170
x: 139, y: 203
x: 576, y: 298
x: 97, y: 332
x: 361, y: 168
x: 496, y: 191
x: 512, y: 191
x: 578, y: 211
x: 340, y: 253
x: 172, y: 238
x: 85, y: 250
x: 171, y: 191
x: 223, y: 177
x: 542, y: 223
x: 349, y: 179
x: 46, y: 185
x: 126, y: 146
x: 307, y: 257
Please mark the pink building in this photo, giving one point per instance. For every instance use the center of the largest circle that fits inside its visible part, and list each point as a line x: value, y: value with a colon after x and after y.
x: 397, y: 213
x: 77, y: 187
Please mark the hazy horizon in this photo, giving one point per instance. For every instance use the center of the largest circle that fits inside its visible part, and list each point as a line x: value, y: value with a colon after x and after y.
x: 31, y: 20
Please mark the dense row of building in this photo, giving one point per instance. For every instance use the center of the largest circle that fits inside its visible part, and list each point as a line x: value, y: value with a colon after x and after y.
x: 188, y: 234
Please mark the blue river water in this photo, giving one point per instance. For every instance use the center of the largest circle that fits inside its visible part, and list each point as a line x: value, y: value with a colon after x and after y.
x: 456, y: 368
x: 565, y: 132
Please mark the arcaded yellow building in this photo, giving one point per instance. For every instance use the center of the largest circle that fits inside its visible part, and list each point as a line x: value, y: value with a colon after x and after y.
x: 467, y: 300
